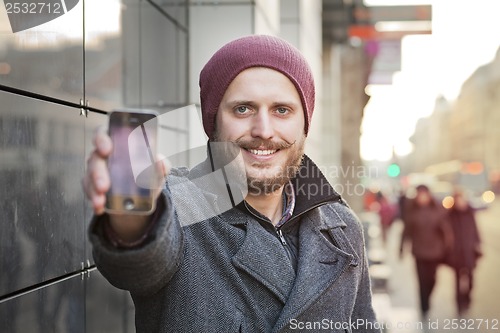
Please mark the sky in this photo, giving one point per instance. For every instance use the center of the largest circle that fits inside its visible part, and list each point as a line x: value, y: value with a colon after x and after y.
x: 465, y: 36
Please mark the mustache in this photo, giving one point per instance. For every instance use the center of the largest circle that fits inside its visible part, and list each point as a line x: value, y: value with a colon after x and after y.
x: 263, y: 144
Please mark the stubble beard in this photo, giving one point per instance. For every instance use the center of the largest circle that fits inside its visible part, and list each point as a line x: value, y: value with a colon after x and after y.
x: 261, y: 183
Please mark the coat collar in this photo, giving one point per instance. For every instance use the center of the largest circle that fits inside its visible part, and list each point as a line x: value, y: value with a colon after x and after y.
x: 311, y: 187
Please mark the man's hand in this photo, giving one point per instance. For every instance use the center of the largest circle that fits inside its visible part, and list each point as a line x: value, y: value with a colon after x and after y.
x: 96, y: 183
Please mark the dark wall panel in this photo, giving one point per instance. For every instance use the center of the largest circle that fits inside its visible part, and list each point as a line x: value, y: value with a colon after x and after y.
x: 41, y: 214
x: 55, y: 308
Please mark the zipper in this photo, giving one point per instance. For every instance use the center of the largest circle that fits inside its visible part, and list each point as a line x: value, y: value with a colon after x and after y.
x: 280, y: 236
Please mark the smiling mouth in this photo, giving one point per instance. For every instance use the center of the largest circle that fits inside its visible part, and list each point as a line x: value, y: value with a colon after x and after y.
x: 262, y: 152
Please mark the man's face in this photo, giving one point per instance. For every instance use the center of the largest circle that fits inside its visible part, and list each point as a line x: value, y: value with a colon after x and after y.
x: 262, y: 113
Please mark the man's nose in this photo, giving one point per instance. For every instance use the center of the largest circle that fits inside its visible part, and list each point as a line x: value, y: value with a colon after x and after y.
x: 262, y: 126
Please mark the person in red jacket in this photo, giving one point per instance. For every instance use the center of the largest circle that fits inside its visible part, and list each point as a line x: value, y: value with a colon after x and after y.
x: 387, y: 213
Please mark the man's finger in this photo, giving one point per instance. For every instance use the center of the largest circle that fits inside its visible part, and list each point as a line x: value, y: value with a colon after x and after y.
x: 98, y: 200
x: 102, y: 142
x: 97, y: 171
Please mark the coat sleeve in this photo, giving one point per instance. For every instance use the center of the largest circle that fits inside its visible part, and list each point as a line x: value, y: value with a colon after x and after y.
x: 145, y: 269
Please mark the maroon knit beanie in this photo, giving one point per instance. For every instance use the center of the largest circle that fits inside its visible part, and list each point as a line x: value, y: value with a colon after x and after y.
x: 253, y: 51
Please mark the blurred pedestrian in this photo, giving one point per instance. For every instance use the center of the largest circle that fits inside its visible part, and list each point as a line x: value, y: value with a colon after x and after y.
x: 427, y: 229
x: 387, y: 213
x: 466, y: 249
x: 402, y: 203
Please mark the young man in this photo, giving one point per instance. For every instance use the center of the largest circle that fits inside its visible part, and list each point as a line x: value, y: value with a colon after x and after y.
x: 276, y: 258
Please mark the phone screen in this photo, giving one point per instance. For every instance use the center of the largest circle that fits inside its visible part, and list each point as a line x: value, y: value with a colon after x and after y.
x: 131, y: 163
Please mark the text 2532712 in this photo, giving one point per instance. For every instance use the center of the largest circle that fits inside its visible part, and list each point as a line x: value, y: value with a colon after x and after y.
x: 33, y: 8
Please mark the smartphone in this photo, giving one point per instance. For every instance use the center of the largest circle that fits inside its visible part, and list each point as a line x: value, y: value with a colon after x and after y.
x: 131, y: 164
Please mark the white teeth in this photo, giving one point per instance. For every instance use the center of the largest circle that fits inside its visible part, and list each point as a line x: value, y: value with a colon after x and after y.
x: 262, y: 152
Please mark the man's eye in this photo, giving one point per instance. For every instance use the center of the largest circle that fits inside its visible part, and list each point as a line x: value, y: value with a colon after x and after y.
x: 241, y: 109
x: 282, y: 110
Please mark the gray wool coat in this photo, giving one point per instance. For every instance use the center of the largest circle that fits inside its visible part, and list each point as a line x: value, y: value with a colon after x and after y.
x: 224, y: 272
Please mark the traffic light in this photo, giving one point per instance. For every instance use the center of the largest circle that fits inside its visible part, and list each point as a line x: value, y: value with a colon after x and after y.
x: 393, y: 170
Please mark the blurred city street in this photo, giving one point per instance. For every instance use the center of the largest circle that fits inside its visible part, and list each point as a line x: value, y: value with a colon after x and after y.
x: 399, y: 307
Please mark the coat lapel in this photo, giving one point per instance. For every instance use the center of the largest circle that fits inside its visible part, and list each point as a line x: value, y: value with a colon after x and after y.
x: 320, y: 262
x: 262, y: 257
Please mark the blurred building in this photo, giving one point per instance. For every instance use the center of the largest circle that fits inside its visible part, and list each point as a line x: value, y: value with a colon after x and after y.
x: 463, y: 130
x: 362, y: 45
x: 476, y: 113
x: 432, y: 138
